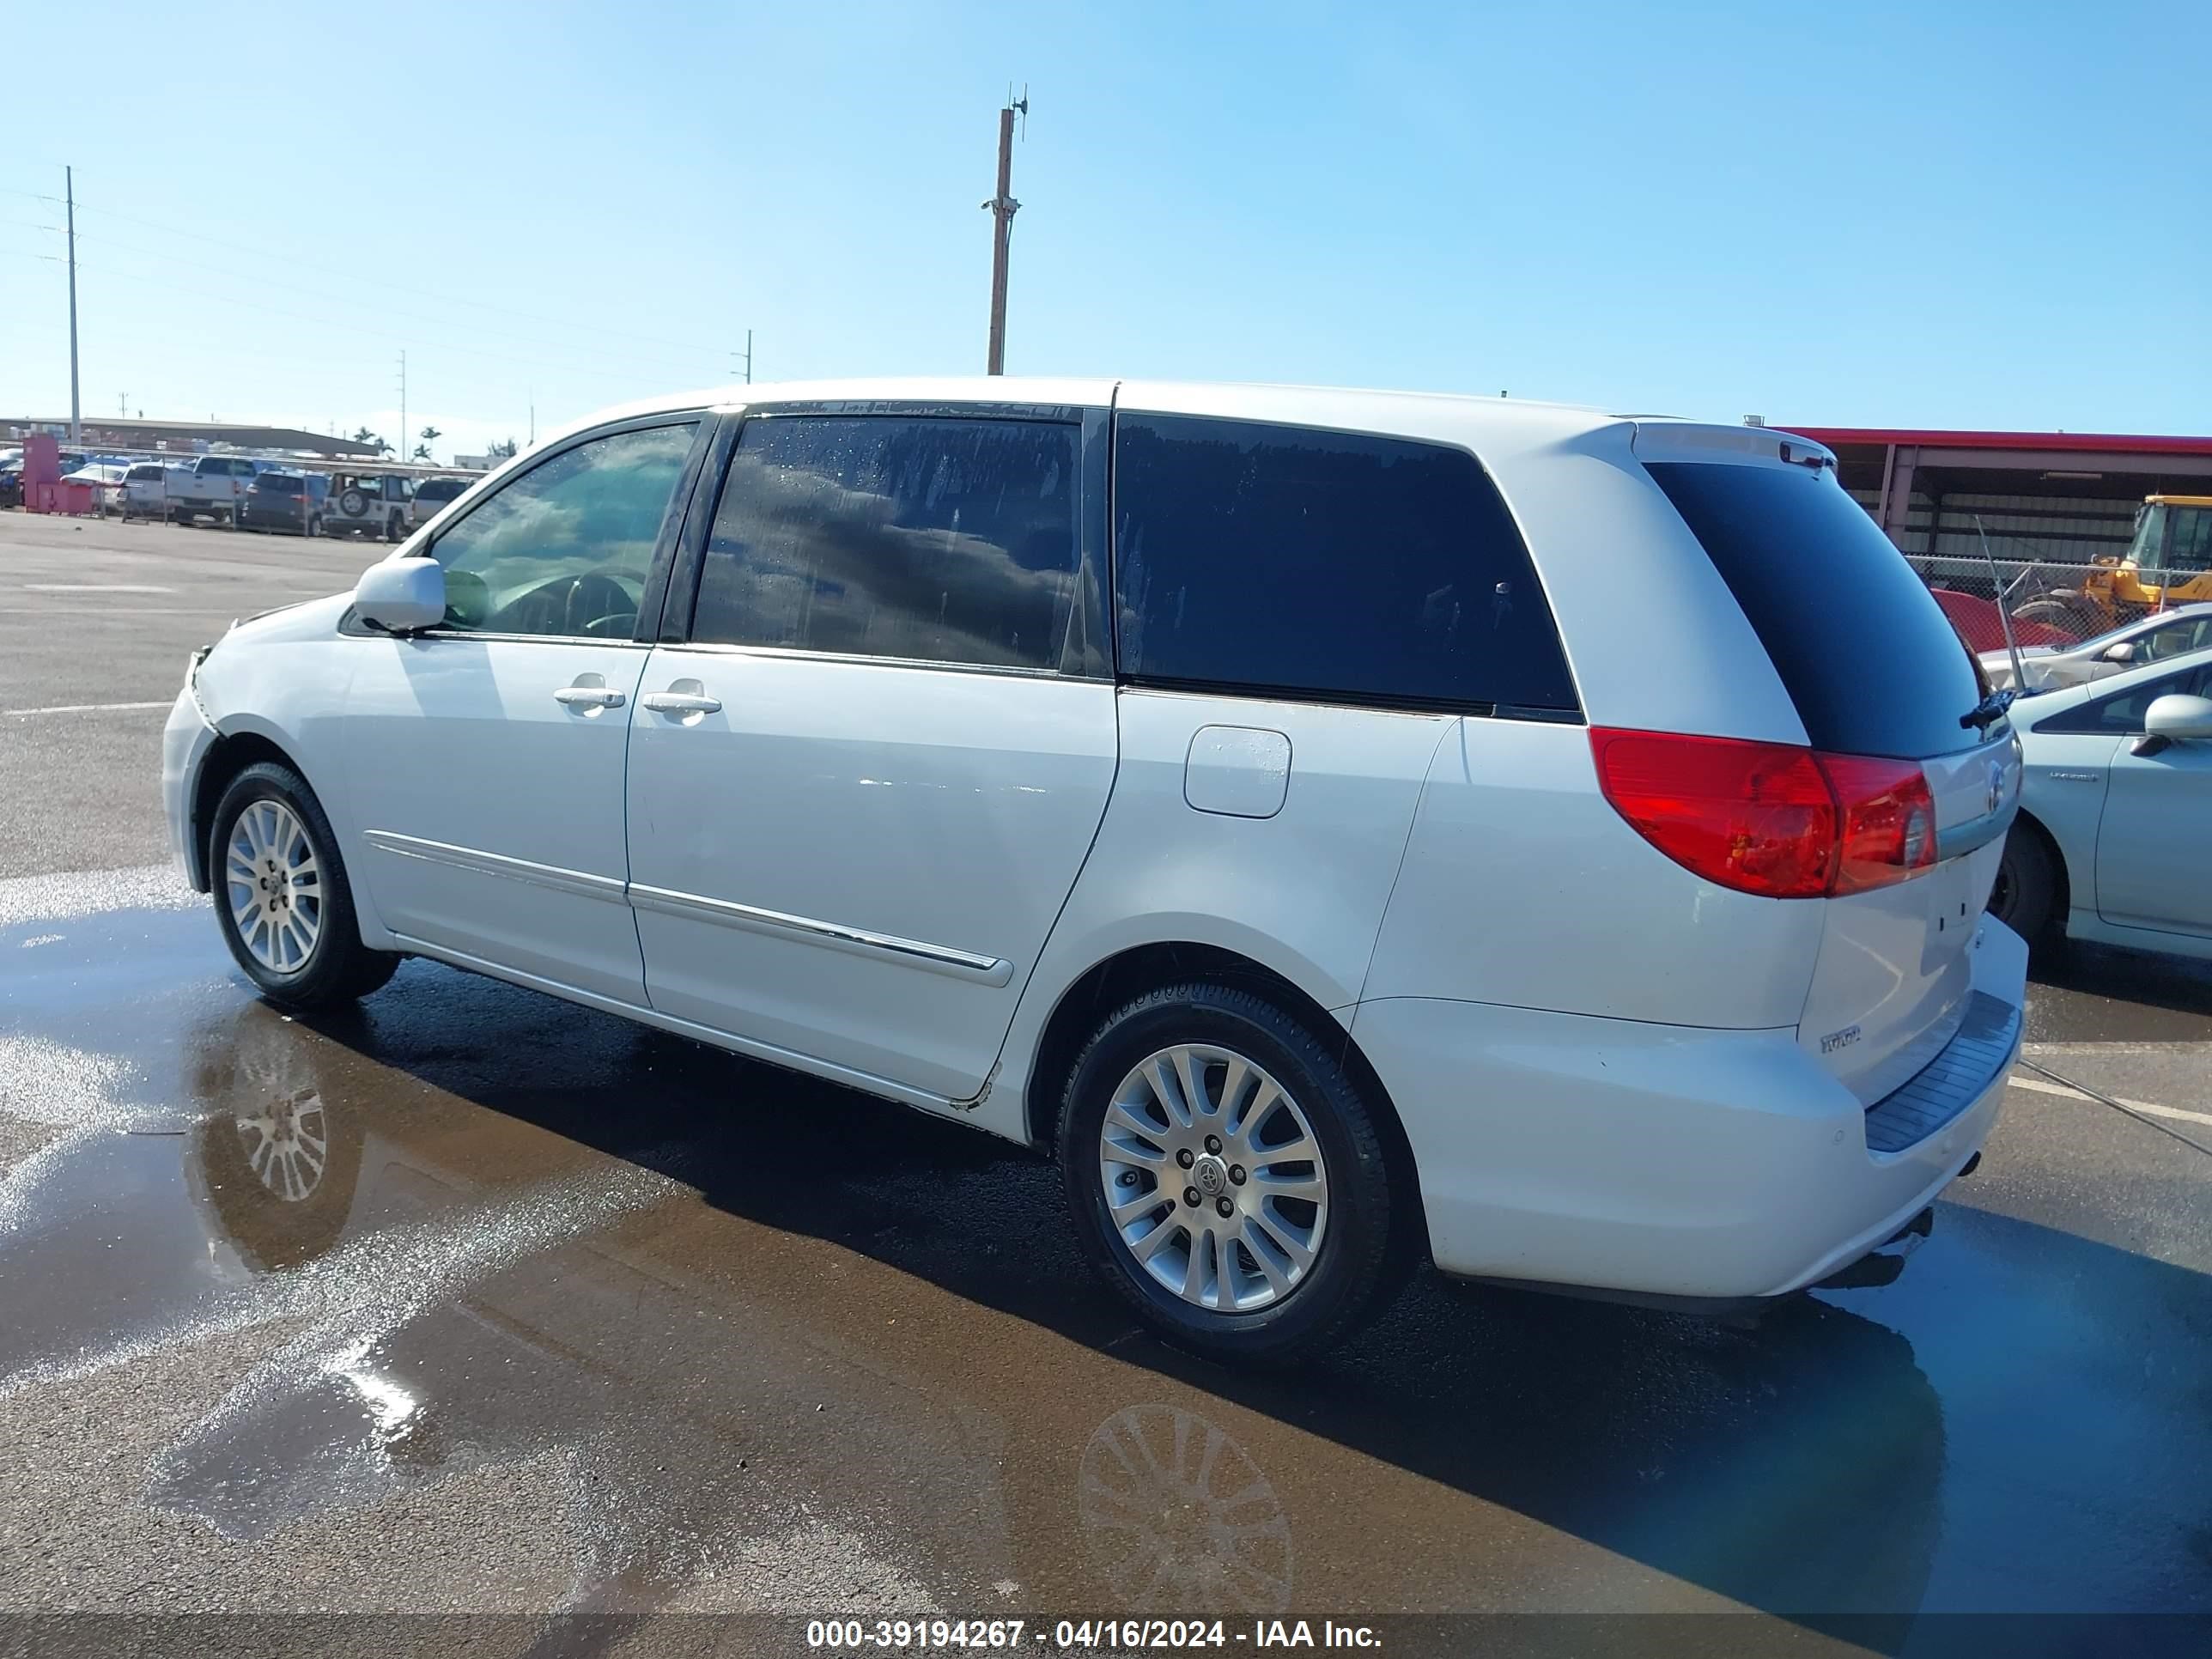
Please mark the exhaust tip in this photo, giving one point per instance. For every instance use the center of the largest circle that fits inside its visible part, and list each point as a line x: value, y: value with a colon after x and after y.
x: 1884, y: 1263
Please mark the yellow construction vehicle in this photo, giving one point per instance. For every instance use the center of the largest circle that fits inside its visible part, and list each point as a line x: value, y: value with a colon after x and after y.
x: 2172, y: 538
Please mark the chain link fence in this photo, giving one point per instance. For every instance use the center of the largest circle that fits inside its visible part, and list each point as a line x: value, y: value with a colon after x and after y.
x: 2046, y: 602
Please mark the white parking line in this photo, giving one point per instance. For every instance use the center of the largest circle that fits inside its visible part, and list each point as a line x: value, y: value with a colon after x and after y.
x: 83, y: 708
x: 2063, y: 1092
x: 94, y: 587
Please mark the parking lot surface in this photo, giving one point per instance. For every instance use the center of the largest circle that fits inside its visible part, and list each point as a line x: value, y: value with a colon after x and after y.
x: 477, y: 1302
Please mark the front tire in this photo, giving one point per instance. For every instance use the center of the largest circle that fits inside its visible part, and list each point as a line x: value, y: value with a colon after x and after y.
x: 282, y: 897
x: 2025, y: 895
x: 1214, y: 1093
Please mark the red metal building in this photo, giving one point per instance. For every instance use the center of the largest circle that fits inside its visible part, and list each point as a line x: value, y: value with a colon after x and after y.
x: 2058, y: 496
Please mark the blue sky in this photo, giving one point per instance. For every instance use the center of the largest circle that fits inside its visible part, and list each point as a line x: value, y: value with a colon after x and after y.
x: 1949, y: 215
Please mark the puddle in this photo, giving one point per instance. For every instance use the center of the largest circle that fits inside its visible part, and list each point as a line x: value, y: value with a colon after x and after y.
x: 738, y: 1311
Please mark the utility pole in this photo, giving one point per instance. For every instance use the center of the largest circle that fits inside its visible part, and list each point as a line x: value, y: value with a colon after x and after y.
x: 403, y: 406
x: 749, y: 356
x: 1003, y: 207
x: 69, y: 189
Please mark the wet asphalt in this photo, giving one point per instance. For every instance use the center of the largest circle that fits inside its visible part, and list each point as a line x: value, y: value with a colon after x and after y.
x: 471, y: 1301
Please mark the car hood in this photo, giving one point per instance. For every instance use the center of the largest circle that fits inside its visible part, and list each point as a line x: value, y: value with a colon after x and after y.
x: 310, y: 619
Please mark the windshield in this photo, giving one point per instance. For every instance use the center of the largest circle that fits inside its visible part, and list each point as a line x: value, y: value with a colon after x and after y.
x: 2188, y: 538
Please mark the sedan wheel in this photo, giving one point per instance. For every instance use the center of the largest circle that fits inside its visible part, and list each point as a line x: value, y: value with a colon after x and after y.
x: 275, y: 887
x: 281, y: 896
x: 2025, y: 895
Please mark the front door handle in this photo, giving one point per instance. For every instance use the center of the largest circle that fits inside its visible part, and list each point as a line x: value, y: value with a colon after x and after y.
x: 589, y: 696
x: 681, y: 702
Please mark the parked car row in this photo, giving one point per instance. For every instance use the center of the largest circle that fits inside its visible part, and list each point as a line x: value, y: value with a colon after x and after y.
x: 251, y: 494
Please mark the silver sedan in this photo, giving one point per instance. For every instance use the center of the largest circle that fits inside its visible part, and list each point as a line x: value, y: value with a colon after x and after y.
x: 2116, y: 811
x: 2159, y: 637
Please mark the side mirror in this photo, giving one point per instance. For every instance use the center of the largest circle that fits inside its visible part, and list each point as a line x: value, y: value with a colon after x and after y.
x: 2181, y: 719
x: 402, y: 595
x: 2174, y: 719
x: 2124, y: 652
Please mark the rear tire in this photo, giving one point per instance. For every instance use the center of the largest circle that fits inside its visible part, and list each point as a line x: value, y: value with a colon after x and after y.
x: 281, y: 897
x: 1202, y: 1284
x: 2025, y: 895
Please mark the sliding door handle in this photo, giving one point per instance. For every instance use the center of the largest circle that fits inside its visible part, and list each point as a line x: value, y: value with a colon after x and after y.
x: 681, y: 702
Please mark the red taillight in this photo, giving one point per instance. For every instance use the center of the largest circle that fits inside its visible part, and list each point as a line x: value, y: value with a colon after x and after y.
x: 1770, y: 818
x: 1889, y: 820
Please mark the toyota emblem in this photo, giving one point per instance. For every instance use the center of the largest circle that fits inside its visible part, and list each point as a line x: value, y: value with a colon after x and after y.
x: 1997, y: 786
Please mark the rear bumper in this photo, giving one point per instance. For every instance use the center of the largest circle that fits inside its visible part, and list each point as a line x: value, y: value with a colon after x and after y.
x: 1665, y: 1161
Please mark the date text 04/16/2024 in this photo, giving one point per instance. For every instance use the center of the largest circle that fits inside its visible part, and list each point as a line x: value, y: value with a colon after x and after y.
x: 1083, y: 1635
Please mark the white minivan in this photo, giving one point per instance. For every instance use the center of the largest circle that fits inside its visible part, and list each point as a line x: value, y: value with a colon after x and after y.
x: 1339, y: 827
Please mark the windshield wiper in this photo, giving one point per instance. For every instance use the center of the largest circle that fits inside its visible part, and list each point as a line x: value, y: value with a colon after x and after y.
x: 1989, y: 711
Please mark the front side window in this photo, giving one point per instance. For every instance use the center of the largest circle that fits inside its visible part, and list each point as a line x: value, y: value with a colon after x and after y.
x: 2174, y: 639
x: 1290, y: 561
x: 930, y: 539
x: 2123, y: 714
x: 566, y: 548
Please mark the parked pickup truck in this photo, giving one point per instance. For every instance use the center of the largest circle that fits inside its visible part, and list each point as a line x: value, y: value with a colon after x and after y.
x: 146, y: 490
x: 213, y: 488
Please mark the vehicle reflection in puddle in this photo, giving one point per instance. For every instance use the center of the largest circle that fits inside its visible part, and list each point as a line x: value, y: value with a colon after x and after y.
x: 731, y: 1306
x: 1175, y: 1514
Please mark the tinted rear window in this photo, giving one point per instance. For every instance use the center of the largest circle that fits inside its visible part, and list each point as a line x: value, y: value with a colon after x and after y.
x: 1287, y: 560
x: 1864, y: 651
x: 441, y: 489
x: 277, y: 483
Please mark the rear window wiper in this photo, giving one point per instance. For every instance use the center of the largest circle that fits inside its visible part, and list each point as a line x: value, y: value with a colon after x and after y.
x: 1989, y: 711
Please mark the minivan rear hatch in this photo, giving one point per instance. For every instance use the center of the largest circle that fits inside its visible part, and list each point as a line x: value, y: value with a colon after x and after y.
x: 1875, y: 670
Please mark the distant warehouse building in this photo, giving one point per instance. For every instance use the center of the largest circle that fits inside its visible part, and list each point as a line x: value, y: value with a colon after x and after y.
x: 2056, y: 496
x: 191, y: 437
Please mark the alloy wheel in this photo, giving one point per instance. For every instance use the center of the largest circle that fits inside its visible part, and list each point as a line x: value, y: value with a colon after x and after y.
x: 274, y: 883
x: 1214, y: 1180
